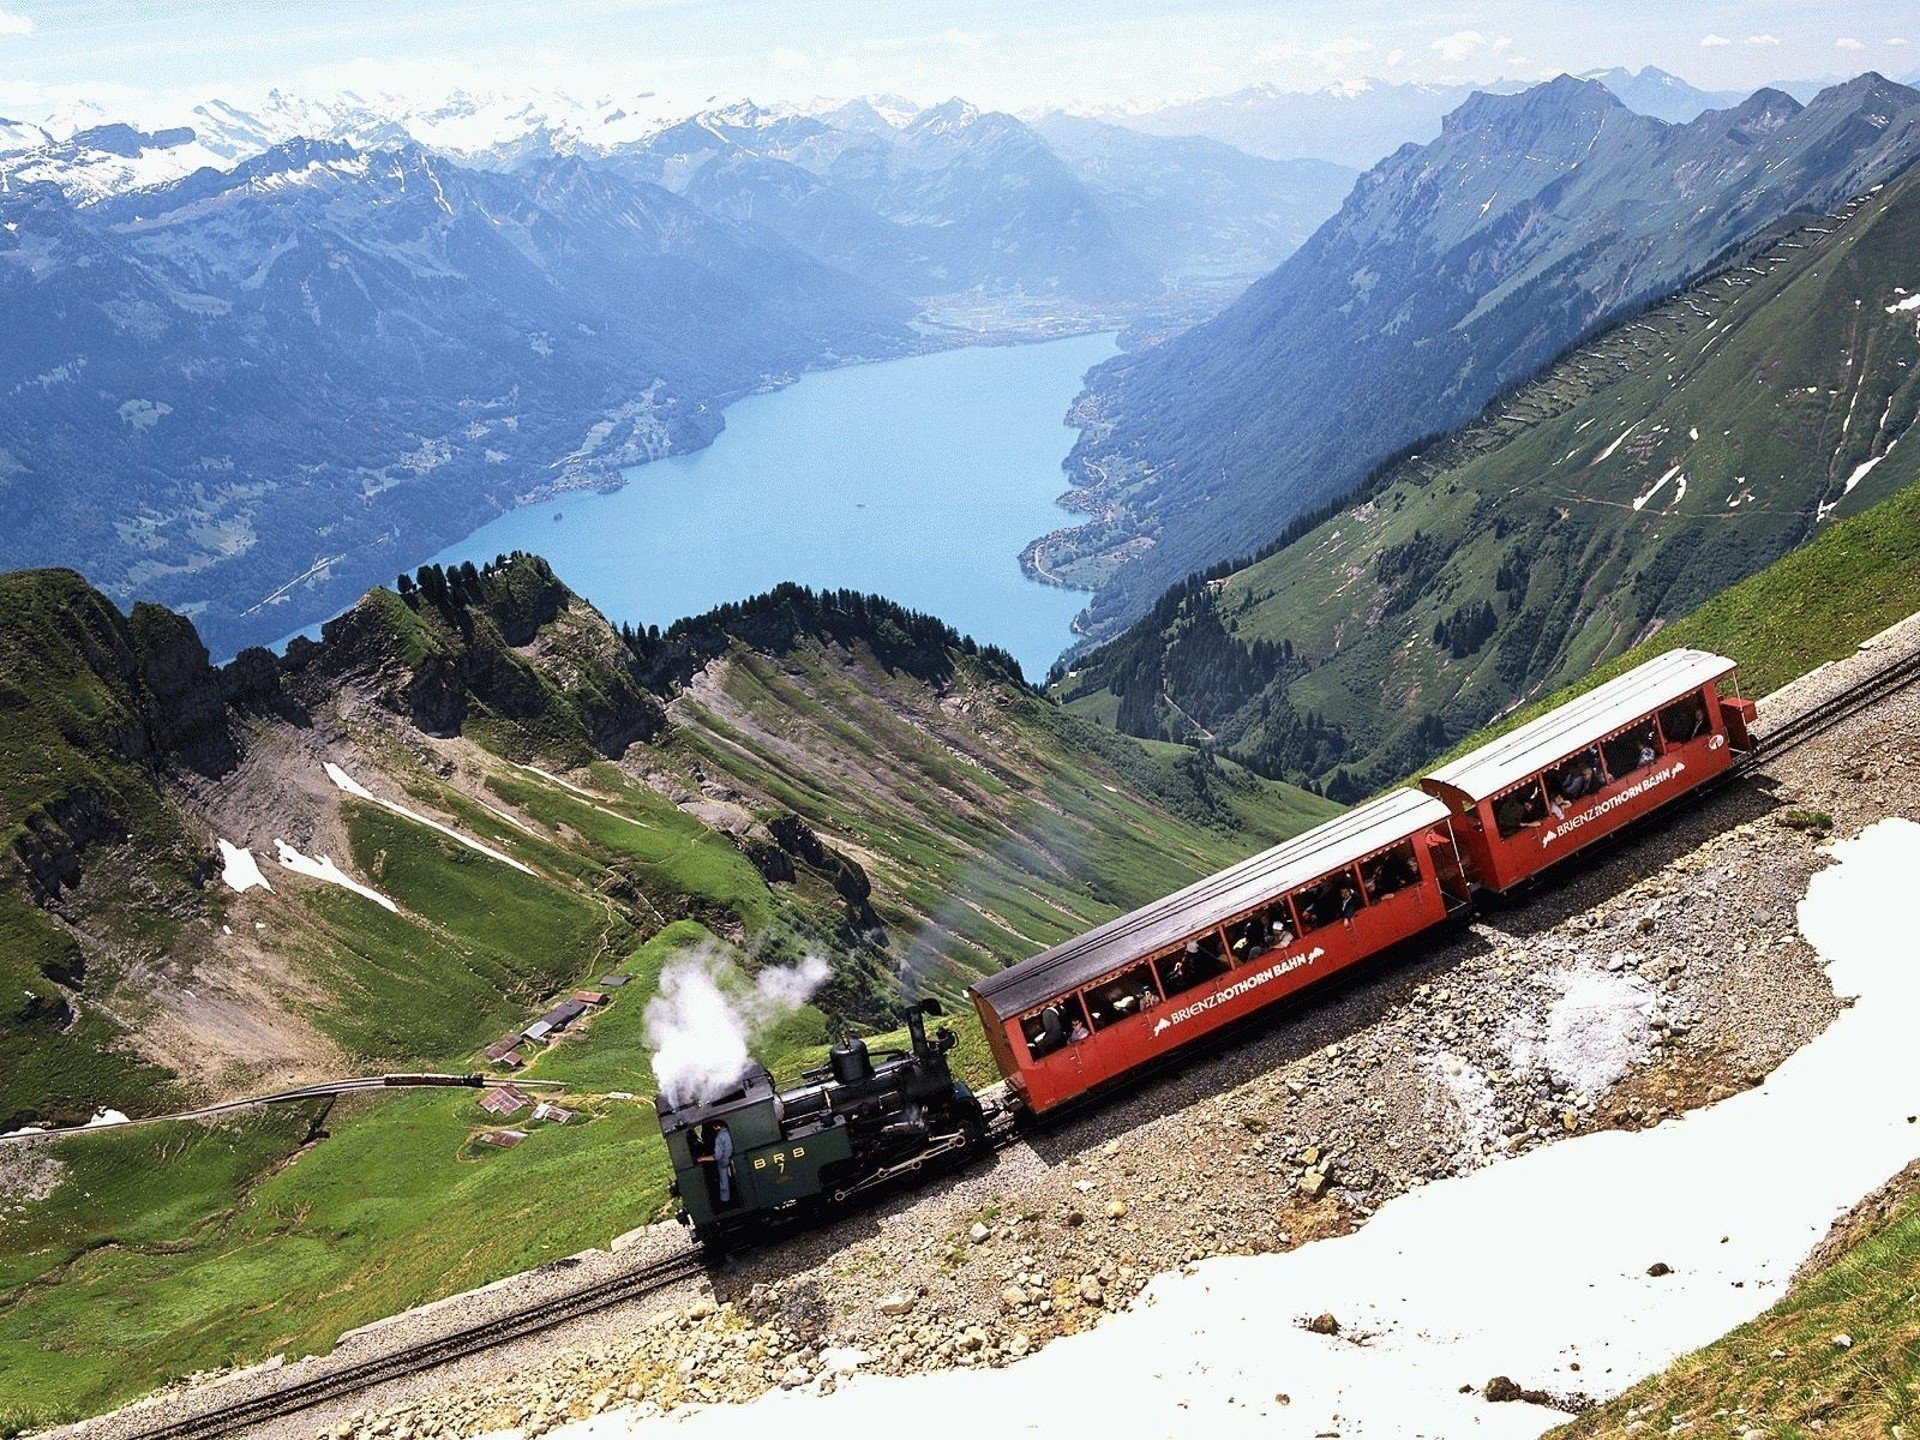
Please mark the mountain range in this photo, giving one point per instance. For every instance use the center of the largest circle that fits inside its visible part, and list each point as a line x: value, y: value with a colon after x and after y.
x: 252, y: 391
x: 1359, y: 122
x: 1582, y: 512
x: 248, y: 382
x: 1452, y: 271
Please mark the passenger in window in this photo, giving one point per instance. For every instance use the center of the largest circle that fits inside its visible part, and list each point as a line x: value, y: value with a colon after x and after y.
x: 1149, y: 998
x: 1389, y: 874
x: 1575, y: 780
x: 1281, y: 934
x: 1249, y: 940
x: 1524, y: 809
x: 1077, y: 1031
x: 1046, y: 1032
x: 1684, y: 721
x: 1632, y: 751
x: 1349, y: 903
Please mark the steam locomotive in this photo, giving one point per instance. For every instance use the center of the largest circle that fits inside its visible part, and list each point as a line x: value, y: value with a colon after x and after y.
x: 756, y: 1160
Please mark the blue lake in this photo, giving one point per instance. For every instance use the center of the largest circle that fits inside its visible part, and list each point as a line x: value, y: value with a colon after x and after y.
x: 918, y: 479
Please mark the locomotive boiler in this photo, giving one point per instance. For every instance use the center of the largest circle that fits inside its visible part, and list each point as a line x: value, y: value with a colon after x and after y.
x: 758, y: 1159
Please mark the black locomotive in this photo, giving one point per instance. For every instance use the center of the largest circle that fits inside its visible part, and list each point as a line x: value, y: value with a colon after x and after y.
x: 758, y: 1159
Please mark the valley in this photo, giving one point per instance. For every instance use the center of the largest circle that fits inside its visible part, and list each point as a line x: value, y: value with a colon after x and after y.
x: 303, y: 347
x: 919, y: 479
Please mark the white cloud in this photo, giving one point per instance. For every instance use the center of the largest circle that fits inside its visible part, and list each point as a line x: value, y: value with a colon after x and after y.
x: 1847, y: 43
x: 960, y: 39
x: 1897, y: 40
x: 1763, y: 39
x: 1503, y: 44
x: 1710, y: 41
x: 792, y: 61
x: 1459, y: 45
x: 12, y: 24
x: 1395, y: 56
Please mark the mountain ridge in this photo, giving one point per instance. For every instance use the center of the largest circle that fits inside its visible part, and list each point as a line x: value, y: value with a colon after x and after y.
x: 1440, y: 282
x: 1581, y: 511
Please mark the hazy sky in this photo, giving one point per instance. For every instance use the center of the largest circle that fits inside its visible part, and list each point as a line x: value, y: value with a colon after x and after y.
x: 1013, y: 53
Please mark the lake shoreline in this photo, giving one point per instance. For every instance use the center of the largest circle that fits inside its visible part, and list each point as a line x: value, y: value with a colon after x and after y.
x: 922, y: 478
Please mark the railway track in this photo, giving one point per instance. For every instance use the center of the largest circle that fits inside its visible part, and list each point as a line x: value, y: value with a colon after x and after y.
x: 227, y: 1417
x: 1797, y: 729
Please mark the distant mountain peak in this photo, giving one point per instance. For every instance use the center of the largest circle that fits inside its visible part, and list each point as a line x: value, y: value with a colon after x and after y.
x: 1534, y: 111
x: 1766, y: 110
x: 954, y: 114
x: 1868, y: 87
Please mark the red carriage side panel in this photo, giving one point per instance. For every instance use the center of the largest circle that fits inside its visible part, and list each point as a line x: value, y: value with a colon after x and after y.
x: 1550, y: 788
x: 1100, y: 1007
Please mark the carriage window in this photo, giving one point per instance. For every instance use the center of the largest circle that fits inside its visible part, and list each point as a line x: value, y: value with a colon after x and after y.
x: 1051, y: 1027
x: 1336, y: 897
x: 1133, y: 993
x: 1269, y: 928
x: 1197, y: 961
x: 1631, y: 750
x: 1390, y: 873
x: 1578, y: 778
x: 1684, y: 720
x: 1519, y: 809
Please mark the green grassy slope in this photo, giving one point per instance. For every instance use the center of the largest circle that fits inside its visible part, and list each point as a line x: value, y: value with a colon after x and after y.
x: 1615, y: 492
x: 1816, y: 605
x: 79, y: 903
x: 938, y: 820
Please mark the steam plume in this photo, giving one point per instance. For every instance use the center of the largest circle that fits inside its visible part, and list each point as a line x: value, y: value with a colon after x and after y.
x: 707, y: 1015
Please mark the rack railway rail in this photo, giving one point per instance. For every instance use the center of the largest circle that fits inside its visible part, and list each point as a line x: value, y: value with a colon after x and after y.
x: 228, y: 1417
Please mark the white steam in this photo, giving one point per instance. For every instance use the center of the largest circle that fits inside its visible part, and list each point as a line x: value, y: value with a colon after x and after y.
x: 708, y: 1013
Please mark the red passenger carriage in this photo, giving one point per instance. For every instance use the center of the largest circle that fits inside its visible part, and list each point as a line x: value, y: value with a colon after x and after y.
x: 1100, y: 1006
x: 1557, y: 784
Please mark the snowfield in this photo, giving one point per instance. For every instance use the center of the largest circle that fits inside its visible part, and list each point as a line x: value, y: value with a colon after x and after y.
x: 1528, y: 1268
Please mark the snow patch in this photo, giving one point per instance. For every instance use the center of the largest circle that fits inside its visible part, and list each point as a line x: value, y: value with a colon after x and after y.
x: 353, y: 787
x: 1607, y: 453
x: 1464, y: 1092
x: 1592, y: 1034
x: 1640, y: 502
x: 1912, y: 302
x: 239, y: 869
x: 325, y: 869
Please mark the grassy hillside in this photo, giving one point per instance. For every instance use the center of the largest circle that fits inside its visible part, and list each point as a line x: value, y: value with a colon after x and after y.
x: 1615, y: 492
x: 798, y: 775
x: 1814, y: 606
x: 81, y: 725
